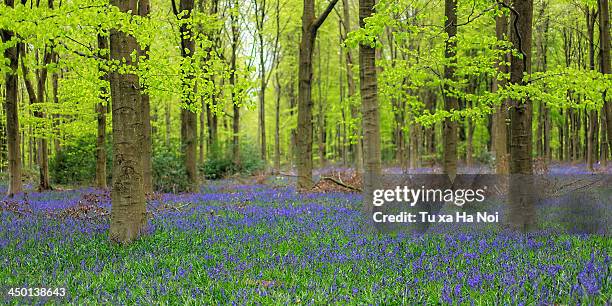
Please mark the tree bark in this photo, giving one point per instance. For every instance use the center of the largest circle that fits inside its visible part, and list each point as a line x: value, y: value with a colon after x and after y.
x: 260, y: 15
x: 604, y: 48
x: 370, y: 110
x: 310, y: 26
x: 38, y: 96
x: 101, y: 117
x: 144, y: 8
x: 54, y: 82
x: 128, y: 212
x: 235, y: 102
x: 357, y: 148
x: 522, y: 212
x: 500, y: 136
x: 450, y: 101
x: 12, y: 115
x: 277, y: 124
x: 188, y: 118
x: 591, y: 16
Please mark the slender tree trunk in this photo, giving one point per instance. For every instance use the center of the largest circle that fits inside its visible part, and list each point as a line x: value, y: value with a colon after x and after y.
x: 144, y: 7
x: 277, y: 124
x: 260, y: 11
x: 591, y: 116
x: 43, y: 150
x: 128, y: 212
x: 12, y: 115
x: 310, y: 26
x: 357, y: 147
x: 167, y: 123
x: 450, y: 102
x: 101, y: 116
x: 604, y: 49
x: 202, y: 135
x: 321, y: 114
x: 603, y: 153
x: 54, y: 82
x: 3, y: 142
x: 370, y: 111
x: 42, y: 155
x: 522, y: 213
x: 235, y: 102
x: 188, y: 118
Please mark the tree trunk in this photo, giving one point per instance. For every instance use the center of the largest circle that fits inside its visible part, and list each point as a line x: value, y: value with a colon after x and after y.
x: 12, y: 115
x: 235, y: 102
x: 501, y: 114
x: 54, y: 82
x: 202, y: 135
x: 603, y: 154
x: 260, y: 15
x: 591, y: 115
x: 522, y: 213
x: 188, y: 118
x: 3, y: 143
x: 167, y: 123
x: 352, y: 90
x: 277, y: 124
x: 370, y: 110
x: 128, y: 212
x: 144, y: 7
x: 101, y: 116
x: 310, y: 26
x: 604, y: 48
x: 304, y: 128
x: 42, y: 155
x: 450, y: 102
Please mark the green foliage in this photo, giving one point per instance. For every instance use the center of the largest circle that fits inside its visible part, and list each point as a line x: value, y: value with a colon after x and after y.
x: 169, y: 173
x: 219, y: 164
x: 76, y: 161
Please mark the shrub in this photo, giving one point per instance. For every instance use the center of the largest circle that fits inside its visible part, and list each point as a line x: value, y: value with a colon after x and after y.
x: 169, y: 173
x: 219, y: 164
x: 75, y: 163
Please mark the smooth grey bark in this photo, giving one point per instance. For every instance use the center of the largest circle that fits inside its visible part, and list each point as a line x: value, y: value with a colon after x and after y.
x: 128, y: 212
x: 522, y: 212
x: 370, y: 110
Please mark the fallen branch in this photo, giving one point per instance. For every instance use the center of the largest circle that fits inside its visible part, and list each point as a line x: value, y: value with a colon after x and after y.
x: 333, y: 180
x: 287, y: 174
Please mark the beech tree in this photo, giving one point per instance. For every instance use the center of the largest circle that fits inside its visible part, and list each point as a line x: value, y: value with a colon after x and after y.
x: 604, y: 43
x: 522, y: 212
x: 450, y: 99
x: 128, y: 212
x: 500, y: 137
x: 12, y: 116
x: 310, y: 26
x: 369, y: 106
x: 188, y: 117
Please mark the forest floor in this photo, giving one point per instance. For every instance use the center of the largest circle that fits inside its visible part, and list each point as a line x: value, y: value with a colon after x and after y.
x: 259, y: 241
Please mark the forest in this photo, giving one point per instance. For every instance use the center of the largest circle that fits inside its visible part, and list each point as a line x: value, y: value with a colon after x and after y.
x: 226, y: 151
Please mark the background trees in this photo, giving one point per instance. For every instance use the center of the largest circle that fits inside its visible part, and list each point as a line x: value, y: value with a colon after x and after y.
x: 446, y: 74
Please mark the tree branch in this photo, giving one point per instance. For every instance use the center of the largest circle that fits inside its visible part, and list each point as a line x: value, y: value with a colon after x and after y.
x: 174, y: 9
x: 317, y: 24
x: 333, y: 180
